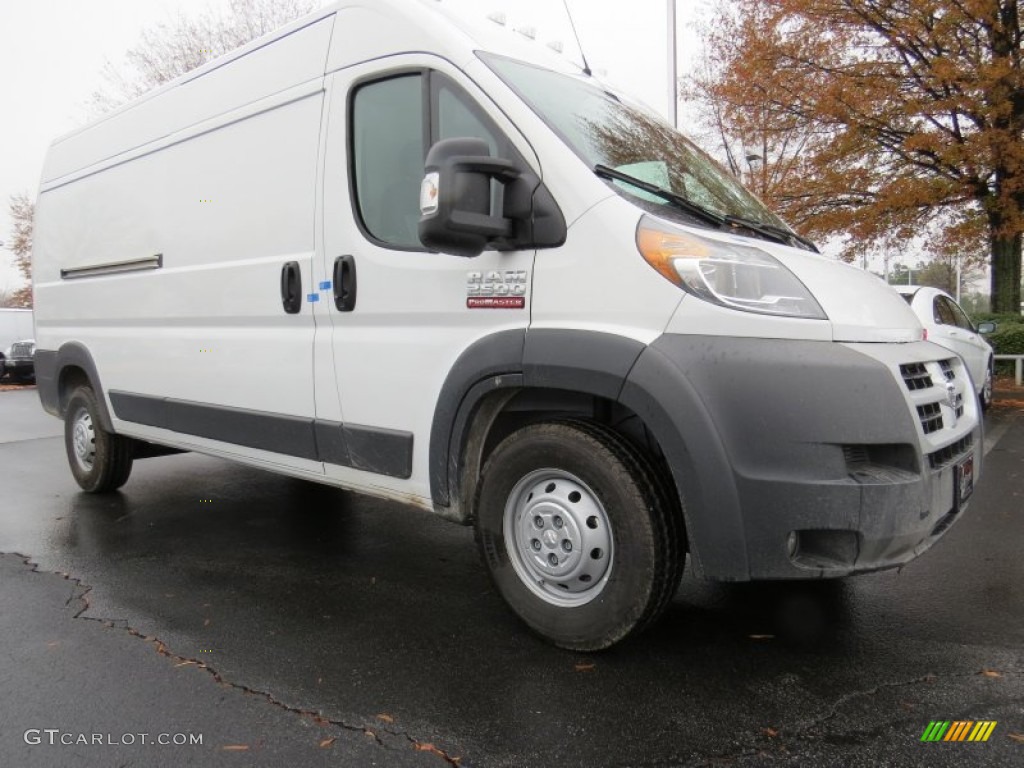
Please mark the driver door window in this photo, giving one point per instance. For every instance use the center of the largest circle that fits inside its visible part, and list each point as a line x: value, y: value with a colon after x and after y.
x: 387, y: 158
x: 390, y: 142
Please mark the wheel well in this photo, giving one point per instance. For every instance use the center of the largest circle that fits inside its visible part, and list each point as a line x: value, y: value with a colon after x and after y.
x: 71, y: 377
x: 501, y: 413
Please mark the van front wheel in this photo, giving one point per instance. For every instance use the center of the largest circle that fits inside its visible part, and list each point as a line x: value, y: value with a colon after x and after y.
x: 578, y: 533
x: 100, y: 461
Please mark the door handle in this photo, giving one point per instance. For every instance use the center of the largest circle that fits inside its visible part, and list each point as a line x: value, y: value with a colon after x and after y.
x: 291, y: 287
x: 345, y: 283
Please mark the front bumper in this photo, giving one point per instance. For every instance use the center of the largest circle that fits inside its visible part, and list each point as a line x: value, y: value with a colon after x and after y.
x: 808, y: 459
x: 19, y: 367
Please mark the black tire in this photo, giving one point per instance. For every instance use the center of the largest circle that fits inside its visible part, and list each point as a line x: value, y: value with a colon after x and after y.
x: 986, y: 388
x: 100, y: 461
x: 571, y: 481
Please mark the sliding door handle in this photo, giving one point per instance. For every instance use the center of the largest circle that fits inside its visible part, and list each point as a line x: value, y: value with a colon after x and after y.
x: 291, y: 287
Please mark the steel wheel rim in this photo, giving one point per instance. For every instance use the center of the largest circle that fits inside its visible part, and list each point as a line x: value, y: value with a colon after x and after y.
x: 558, y: 537
x: 83, y: 439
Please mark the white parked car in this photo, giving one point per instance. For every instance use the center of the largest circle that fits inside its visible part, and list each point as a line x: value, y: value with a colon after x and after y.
x: 948, y: 325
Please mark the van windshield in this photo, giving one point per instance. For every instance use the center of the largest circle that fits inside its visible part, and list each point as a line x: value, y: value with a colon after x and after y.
x: 609, y: 133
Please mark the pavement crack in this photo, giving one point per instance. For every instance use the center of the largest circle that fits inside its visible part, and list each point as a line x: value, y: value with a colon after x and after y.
x: 421, y: 746
x: 81, y: 593
x: 931, y: 677
x: 800, y: 731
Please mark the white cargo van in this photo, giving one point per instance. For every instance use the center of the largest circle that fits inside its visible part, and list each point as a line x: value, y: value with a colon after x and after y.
x: 387, y: 251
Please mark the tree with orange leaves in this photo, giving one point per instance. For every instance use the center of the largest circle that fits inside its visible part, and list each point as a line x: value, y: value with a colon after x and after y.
x: 882, y: 120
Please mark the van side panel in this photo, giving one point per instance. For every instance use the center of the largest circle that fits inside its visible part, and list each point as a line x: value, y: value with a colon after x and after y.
x: 221, y: 207
x: 211, y: 91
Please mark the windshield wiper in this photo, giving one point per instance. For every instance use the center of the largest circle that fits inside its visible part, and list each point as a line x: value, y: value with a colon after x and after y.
x: 678, y: 200
x: 770, y: 230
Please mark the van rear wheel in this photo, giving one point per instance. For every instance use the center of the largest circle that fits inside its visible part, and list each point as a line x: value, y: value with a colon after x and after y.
x: 578, y: 533
x: 100, y: 461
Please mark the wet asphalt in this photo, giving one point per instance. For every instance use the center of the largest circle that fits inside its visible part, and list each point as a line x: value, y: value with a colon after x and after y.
x: 287, y: 623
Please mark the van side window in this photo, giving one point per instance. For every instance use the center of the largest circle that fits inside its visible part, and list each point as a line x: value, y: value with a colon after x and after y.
x: 456, y: 120
x: 455, y: 115
x: 388, y: 153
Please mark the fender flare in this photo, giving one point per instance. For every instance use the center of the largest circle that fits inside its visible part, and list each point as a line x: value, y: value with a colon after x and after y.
x: 587, y: 362
x: 50, y: 366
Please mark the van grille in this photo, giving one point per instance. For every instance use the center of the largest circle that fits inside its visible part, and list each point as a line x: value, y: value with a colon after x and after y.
x: 916, y: 376
x: 950, y: 453
x: 21, y: 349
x: 931, y: 417
x: 947, y: 369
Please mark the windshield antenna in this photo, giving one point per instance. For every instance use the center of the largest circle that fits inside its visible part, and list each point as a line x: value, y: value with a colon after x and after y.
x: 586, y: 67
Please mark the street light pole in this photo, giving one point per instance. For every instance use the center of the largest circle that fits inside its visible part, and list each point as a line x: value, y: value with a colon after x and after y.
x: 754, y: 161
x: 673, y: 97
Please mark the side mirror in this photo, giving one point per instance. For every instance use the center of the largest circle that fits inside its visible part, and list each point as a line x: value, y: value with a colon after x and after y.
x: 455, y: 197
x: 986, y: 327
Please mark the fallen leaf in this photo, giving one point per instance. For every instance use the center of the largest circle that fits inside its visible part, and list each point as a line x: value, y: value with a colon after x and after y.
x: 184, y: 663
x: 990, y: 673
x: 771, y: 733
x: 327, y: 742
x: 206, y: 623
x: 54, y: 644
x: 761, y: 637
x: 385, y: 717
x: 236, y: 748
x: 585, y: 666
x: 1017, y: 737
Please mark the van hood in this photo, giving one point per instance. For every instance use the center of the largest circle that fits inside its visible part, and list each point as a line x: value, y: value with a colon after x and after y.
x: 860, y: 306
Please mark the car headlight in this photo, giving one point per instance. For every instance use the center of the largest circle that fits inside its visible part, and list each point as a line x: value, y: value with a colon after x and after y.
x: 735, y: 276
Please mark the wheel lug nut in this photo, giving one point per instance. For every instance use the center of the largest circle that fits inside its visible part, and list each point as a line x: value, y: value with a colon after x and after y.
x: 553, y: 559
x: 567, y: 545
x: 558, y: 522
x: 536, y: 545
x: 538, y: 521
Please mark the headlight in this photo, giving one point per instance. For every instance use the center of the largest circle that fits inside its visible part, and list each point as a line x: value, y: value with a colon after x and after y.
x: 735, y: 276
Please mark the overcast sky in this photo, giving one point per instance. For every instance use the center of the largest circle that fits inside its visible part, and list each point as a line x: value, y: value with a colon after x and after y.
x: 52, y: 51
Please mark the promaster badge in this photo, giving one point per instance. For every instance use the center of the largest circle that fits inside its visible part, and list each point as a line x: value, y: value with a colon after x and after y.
x: 496, y: 290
